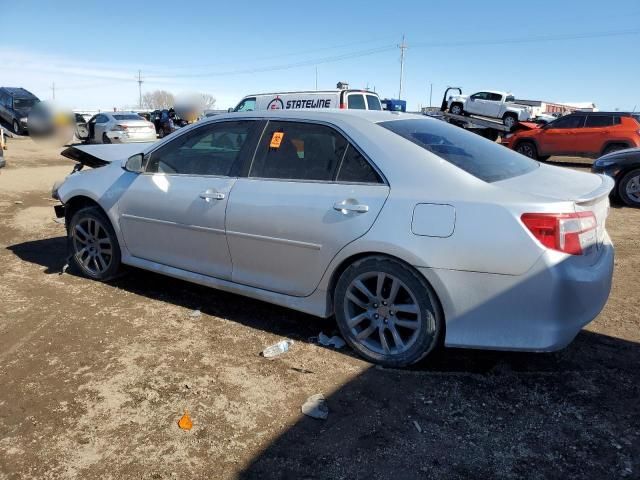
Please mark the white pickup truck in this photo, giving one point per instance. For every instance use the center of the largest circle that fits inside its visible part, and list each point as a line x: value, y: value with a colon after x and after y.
x: 490, y: 104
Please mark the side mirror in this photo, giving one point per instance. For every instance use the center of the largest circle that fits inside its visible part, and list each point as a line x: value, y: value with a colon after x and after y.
x: 134, y: 163
x: 229, y: 110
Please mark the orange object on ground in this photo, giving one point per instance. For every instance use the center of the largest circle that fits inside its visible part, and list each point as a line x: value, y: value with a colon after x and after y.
x: 185, y: 422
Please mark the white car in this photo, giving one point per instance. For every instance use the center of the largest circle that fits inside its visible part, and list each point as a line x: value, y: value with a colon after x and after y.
x: 490, y: 104
x: 118, y: 127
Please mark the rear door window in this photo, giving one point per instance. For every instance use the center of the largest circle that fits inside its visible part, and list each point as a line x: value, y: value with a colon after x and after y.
x: 599, y: 121
x: 298, y: 151
x: 356, y: 101
x: 481, y: 158
x: 356, y: 168
x: 494, y: 97
x: 373, y: 102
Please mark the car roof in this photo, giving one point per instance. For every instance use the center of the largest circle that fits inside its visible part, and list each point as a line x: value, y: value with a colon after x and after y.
x: 18, y: 91
x: 621, y: 114
x: 322, y: 114
x: 310, y: 92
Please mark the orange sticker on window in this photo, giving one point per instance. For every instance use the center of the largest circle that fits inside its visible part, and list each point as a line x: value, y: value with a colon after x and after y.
x: 276, y: 139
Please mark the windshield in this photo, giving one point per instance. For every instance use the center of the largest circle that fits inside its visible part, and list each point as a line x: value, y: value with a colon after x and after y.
x: 373, y: 102
x: 636, y: 116
x: 478, y: 156
x: 22, y: 103
x: 130, y: 116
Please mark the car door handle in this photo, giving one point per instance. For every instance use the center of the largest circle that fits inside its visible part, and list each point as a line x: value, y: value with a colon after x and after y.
x: 350, y: 206
x: 212, y: 195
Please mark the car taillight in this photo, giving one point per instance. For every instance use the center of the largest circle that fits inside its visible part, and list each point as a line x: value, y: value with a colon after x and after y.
x: 570, y: 233
x: 343, y: 105
x: 120, y: 128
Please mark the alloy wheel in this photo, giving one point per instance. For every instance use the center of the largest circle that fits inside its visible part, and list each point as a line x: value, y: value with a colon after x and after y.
x: 633, y: 188
x: 92, y: 245
x: 382, y: 313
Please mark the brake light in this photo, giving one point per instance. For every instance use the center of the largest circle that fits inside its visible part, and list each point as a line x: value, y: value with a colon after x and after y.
x: 343, y: 105
x: 570, y: 233
x: 120, y: 128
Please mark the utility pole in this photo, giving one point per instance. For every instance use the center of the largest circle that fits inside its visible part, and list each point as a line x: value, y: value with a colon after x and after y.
x: 403, y: 46
x: 53, y: 90
x: 140, y: 81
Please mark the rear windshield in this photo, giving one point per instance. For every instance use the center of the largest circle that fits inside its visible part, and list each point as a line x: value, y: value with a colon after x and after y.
x: 637, y: 117
x: 373, y: 102
x: 130, y: 116
x: 478, y: 156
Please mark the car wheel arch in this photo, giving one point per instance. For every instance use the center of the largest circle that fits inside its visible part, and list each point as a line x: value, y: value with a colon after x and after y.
x: 79, y: 202
x: 350, y: 260
x: 527, y: 139
x: 612, y: 143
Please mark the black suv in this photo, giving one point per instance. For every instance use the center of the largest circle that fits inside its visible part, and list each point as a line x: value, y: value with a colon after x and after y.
x: 15, y: 105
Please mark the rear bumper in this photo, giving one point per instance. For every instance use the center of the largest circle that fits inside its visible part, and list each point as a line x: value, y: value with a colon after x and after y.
x: 542, y: 310
x: 124, y: 137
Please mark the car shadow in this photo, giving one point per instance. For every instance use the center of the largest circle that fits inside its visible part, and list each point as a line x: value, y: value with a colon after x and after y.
x: 461, y: 414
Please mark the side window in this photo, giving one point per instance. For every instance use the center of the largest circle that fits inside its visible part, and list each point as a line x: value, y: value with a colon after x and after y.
x: 356, y: 101
x: 373, y: 102
x: 246, y: 105
x: 570, y: 121
x: 494, y: 97
x: 599, y: 121
x: 479, y: 96
x: 214, y: 149
x: 356, y: 168
x: 298, y: 151
x: 101, y: 119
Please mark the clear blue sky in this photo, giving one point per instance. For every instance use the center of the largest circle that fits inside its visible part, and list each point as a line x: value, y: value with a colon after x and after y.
x: 93, y: 50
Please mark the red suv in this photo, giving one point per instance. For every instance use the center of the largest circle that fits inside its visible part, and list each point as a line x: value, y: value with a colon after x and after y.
x: 585, y: 134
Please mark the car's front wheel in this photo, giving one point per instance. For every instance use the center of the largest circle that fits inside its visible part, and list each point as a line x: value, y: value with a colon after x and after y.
x: 629, y: 188
x: 528, y: 149
x: 387, y: 312
x: 16, y: 128
x: 93, y: 244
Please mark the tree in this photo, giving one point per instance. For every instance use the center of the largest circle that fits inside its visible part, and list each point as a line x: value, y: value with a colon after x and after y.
x: 158, y: 100
x: 207, y: 101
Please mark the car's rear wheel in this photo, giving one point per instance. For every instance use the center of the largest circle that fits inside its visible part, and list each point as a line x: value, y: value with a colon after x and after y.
x: 629, y: 188
x: 528, y: 149
x: 105, y: 138
x: 456, y: 109
x: 387, y: 312
x: 509, y: 120
x: 93, y: 244
x: 16, y: 127
x: 161, y: 132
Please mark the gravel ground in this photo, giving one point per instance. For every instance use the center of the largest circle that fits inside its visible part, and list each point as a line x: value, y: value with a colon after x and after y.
x: 95, y: 377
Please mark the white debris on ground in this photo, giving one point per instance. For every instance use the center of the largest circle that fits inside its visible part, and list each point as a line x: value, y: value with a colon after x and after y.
x: 316, y: 407
x: 335, y: 341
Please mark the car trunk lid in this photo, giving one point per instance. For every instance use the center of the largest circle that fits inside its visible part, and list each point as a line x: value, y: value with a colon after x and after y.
x: 586, y: 191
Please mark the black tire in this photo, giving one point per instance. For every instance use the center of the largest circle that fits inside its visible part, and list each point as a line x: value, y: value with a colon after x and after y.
x: 543, y: 158
x: 161, y: 133
x: 378, y: 318
x: 528, y: 149
x: 631, y: 178
x: 614, y: 148
x: 93, y: 251
x: 456, y: 109
x: 105, y: 138
x: 509, y: 120
x: 16, y: 128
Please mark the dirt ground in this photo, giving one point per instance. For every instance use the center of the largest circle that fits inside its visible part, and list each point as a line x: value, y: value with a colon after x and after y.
x: 94, y: 378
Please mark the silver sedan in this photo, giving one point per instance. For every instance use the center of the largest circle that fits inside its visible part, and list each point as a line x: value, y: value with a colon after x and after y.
x: 412, y: 232
x: 117, y: 127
